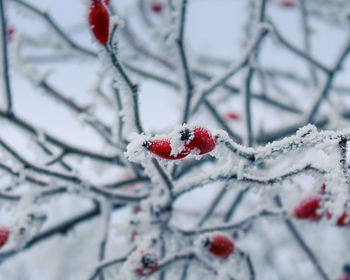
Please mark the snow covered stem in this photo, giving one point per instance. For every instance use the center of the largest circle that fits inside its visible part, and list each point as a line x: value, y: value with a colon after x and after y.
x: 132, y: 87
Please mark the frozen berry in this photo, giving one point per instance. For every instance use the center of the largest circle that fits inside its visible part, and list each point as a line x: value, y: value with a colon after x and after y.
x: 219, y: 245
x: 199, y: 139
x: 162, y: 148
x: 99, y: 21
x: 308, y: 208
x: 4, y: 235
x: 342, y: 221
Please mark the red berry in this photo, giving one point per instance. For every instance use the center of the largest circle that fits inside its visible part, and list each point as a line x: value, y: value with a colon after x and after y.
x: 198, y: 138
x: 308, y: 207
x: 232, y: 116
x: 148, y: 264
x: 4, y: 235
x: 99, y: 20
x: 162, y: 148
x: 288, y: 4
x: 10, y: 32
x: 342, y: 221
x: 156, y: 7
x: 220, y: 245
x: 107, y: 2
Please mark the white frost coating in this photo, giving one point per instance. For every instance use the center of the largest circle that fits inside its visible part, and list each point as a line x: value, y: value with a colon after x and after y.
x: 240, y: 169
x: 135, y: 152
x: 24, y: 67
x: 27, y: 219
x: 177, y: 145
x: 128, y: 104
x: 337, y: 187
x: 134, y: 262
x: 41, y: 136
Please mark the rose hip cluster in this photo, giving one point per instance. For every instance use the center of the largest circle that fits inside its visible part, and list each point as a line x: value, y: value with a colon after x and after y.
x: 309, y: 208
x: 193, y: 139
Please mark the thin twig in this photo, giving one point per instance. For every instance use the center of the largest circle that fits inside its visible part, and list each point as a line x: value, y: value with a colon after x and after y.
x: 60, y: 228
x: 185, y: 67
x: 235, y: 225
x: 46, y: 17
x: 329, y: 80
x: 291, y: 227
x: 5, y: 64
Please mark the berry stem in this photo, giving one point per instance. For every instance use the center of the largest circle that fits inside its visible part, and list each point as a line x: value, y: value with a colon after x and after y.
x: 184, y: 61
x: 132, y: 87
x: 343, y: 151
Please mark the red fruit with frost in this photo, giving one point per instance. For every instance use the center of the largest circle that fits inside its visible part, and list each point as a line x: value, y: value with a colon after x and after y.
x: 198, y: 138
x: 342, y: 221
x: 4, y: 235
x: 99, y: 21
x: 107, y: 2
x: 148, y: 264
x: 156, y: 7
x: 162, y: 148
x: 219, y: 245
x: 308, y: 208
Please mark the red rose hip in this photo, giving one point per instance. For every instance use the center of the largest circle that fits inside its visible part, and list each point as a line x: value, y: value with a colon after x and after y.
x: 308, y: 207
x: 99, y: 20
x: 4, y: 235
x: 198, y: 138
x: 162, y: 148
x: 342, y: 221
x: 219, y: 245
